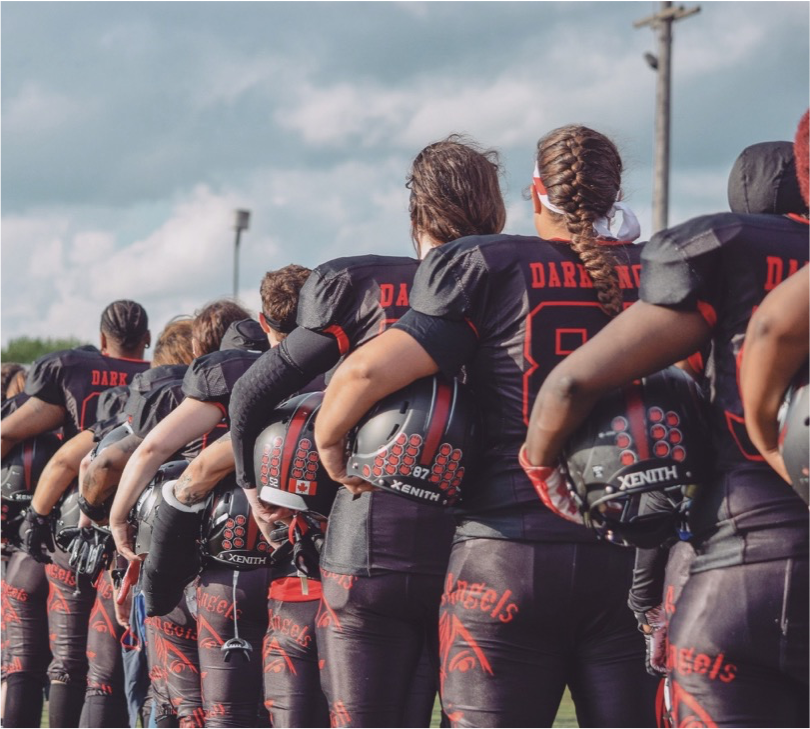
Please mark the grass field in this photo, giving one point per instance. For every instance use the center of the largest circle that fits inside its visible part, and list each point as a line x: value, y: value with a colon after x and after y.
x: 565, y: 716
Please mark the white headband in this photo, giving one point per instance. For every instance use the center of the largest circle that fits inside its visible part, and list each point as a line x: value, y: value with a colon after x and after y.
x: 629, y: 229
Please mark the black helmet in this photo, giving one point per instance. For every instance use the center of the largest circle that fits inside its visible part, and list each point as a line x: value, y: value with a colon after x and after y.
x: 142, y: 515
x: 419, y: 441
x: 21, y: 469
x: 794, y: 443
x: 287, y: 465
x: 229, y: 532
x: 66, y: 523
x: 23, y: 465
x: 633, y: 466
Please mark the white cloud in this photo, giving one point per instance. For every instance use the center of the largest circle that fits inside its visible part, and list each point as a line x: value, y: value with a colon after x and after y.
x: 35, y: 110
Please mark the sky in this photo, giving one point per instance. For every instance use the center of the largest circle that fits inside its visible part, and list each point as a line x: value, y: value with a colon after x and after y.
x: 131, y: 131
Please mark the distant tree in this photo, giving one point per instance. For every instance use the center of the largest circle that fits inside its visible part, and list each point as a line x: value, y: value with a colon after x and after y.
x: 26, y: 349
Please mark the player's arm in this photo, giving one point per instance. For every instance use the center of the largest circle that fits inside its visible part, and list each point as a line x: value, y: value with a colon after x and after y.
x: 384, y: 365
x: 101, y: 477
x: 276, y: 375
x: 776, y: 346
x: 191, y: 419
x: 205, y: 472
x: 34, y: 416
x: 60, y: 472
x: 643, y: 339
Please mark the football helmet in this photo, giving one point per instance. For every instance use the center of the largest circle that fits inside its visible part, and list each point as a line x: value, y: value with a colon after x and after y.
x: 635, y: 463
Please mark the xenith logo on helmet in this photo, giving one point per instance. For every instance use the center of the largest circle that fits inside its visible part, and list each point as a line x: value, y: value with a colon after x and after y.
x: 651, y: 476
x: 244, y: 559
x: 21, y: 496
x: 406, y: 488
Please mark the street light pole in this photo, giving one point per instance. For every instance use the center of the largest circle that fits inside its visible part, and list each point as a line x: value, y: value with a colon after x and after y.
x: 662, y: 64
x: 241, y: 221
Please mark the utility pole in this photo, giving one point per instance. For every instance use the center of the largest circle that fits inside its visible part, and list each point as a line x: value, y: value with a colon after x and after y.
x: 662, y: 22
x: 241, y: 221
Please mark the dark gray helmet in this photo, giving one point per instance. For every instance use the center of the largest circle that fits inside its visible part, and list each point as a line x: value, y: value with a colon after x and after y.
x: 635, y: 463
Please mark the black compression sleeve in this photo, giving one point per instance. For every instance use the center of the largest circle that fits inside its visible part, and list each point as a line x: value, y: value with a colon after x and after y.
x: 649, y: 571
x: 275, y: 376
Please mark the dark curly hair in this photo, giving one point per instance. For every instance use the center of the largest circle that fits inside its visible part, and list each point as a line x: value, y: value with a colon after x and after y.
x: 125, y: 322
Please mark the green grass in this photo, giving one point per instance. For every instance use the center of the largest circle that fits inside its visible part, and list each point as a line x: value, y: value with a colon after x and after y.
x: 566, y: 717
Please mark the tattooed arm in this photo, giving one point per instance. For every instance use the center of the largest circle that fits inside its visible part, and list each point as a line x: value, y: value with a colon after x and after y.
x: 205, y: 472
x: 101, y: 478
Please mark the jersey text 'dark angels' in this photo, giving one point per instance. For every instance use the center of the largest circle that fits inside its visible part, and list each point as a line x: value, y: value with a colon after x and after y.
x: 509, y: 308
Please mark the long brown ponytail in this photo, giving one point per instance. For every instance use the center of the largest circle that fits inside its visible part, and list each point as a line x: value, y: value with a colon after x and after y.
x: 582, y: 170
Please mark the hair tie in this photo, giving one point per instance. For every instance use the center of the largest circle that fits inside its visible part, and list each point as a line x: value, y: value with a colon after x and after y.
x: 630, y: 228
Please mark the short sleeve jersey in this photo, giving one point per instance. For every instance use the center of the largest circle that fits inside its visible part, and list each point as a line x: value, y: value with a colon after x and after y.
x: 110, y: 410
x: 723, y: 266
x: 74, y: 379
x: 354, y: 299
x: 211, y: 378
x: 529, y: 302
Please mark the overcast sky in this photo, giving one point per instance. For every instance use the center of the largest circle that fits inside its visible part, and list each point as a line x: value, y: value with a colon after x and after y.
x: 130, y: 131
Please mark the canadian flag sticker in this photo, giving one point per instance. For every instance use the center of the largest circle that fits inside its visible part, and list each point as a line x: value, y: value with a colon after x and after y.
x: 305, y: 488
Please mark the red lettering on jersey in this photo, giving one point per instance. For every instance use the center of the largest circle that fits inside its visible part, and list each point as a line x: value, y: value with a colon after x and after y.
x: 122, y: 378
x: 538, y: 275
x: 585, y: 280
x: 775, y: 272
x: 113, y: 379
x: 793, y: 266
x: 402, y: 299
x: 95, y: 378
x: 386, y: 295
x: 629, y: 276
x: 553, y: 276
x: 105, y: 379
x: 569, y: 274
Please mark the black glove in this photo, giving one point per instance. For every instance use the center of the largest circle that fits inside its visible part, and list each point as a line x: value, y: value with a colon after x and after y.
x: 36, y: 533
x: 653, y: 624
x: 90, y: 551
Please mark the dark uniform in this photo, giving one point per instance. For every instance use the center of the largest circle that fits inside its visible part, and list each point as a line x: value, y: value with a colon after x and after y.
x: 738, y: 638
x: 382, y: 626
x: 105, y: 701
x: 531, y: 602
x: 73, y: 379
x: 231, y: 690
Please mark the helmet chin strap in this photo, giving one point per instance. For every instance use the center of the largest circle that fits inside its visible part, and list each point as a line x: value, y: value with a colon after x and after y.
x: 236, y: 644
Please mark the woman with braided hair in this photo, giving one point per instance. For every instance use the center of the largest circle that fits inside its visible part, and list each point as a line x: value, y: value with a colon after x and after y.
x: 531, y: 603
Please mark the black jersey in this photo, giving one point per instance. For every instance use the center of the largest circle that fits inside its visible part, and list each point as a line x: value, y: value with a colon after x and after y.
x: 12, y: 404
x: 110, y: 410
x: 211, y: 378
x: 509, y: 308
x: 354, y: 299
x: 74, y: 378
x: 723, y: 266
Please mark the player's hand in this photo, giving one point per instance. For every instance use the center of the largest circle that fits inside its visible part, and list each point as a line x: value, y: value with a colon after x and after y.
x: 549, y: 483
x: 264, y: 514
x: 36, y: 535
x: 333, y: 459
x: 653, y: 624
x: 122, y: 534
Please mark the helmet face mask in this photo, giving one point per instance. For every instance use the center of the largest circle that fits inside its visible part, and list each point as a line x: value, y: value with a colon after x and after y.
x: 636, y: 462
x: 287, y: 464
x: 418, y: 442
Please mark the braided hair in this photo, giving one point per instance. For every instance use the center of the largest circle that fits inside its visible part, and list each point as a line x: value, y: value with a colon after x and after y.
x: 582, y: 171
x: 455, y: 191
x: 125, y: 322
